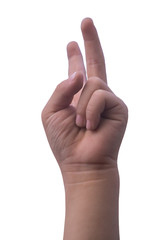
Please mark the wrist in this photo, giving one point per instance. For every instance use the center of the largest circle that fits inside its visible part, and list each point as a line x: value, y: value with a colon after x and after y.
x: 106, y: 179
x: 84, y: 172
x: 92, y: 205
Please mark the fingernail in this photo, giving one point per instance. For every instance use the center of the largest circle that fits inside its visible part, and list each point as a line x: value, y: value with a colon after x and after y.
x: 80, y: 121
x: 88, y: 125
x: 72, y: 77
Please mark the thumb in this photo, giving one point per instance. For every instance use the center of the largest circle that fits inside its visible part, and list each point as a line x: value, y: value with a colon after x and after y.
x: 63, y: 95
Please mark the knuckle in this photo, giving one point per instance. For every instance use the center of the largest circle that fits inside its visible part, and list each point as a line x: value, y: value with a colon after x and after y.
x: 44, y: 115
x: 123, y: 109
x: 123, y: 105
x: 126, y: 112
x: 95, y: 61
x: 99, y: 92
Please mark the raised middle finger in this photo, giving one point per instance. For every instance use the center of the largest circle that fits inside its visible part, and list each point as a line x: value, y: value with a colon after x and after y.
x: 94, y: 54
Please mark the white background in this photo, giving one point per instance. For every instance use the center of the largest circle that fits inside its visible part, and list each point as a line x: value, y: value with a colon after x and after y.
x: 33, y: 39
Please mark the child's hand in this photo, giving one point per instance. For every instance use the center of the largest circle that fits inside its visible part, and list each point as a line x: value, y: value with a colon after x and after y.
x: 84, y: 120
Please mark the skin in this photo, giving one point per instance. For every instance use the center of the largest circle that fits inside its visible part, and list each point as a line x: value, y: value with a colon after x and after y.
x: 85, y: 123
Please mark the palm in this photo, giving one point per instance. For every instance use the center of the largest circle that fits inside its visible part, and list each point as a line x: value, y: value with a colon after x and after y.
x: 72, y: 144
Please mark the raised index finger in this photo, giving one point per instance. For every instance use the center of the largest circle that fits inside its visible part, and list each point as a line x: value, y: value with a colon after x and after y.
x: 94, y: 54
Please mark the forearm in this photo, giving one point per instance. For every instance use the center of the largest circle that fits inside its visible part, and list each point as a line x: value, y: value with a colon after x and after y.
x: 92, y: 206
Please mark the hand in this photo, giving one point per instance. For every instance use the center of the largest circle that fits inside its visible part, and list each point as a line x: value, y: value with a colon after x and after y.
x: 84, y: 120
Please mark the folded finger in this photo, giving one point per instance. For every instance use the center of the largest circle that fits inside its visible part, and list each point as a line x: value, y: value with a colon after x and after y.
x: 106, y: 105
x: 91, y: 86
